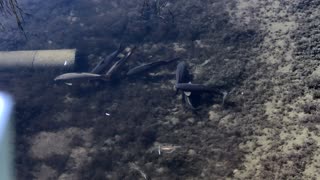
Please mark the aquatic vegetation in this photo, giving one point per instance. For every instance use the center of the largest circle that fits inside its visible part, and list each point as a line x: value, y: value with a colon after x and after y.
x: 155, y: 9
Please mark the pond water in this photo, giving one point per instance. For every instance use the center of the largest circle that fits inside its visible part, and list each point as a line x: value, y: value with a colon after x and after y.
x: 159, y: 89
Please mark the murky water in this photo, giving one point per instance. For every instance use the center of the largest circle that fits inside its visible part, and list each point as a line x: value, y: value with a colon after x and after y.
x: 120, y: 116
x: 94, y: 129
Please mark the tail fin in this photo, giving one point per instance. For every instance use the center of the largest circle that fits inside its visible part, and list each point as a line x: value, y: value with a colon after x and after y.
x: 105, y: 78
x: 224, y: 97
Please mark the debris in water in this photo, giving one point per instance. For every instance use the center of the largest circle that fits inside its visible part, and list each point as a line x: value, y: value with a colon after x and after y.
x: 167, y: 148
x: 107, y: 114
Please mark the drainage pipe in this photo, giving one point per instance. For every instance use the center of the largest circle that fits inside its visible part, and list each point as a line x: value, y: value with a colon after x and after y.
x: 63, y: 58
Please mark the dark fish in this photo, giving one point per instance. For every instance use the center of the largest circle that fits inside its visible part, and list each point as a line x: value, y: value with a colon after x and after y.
x: 149, y: 66
x: 103, y: 65
x: 181, y: 74
x: 119, y: 63
x: 195, y: 87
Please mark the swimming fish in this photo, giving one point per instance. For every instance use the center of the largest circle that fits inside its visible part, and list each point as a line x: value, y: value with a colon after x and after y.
x: 181, y: 73
x: 68, y: 77
x: 103, y: 64
x: 119, y: 63
x: 149, y: 66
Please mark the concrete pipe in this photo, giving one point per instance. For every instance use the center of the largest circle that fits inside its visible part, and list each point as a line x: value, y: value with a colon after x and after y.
x: 64, y: 58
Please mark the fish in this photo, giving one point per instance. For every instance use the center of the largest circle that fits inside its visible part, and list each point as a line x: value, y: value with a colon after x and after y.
x: 186, y: 93
x: 181, y: 73
x: 149, y: 66
x: 67, y: 77
x: 189, y: 87
x: 103, y: 64
x: 119, y: 63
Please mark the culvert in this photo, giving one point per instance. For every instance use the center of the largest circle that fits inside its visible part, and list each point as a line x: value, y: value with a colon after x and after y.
x: 63, y: 58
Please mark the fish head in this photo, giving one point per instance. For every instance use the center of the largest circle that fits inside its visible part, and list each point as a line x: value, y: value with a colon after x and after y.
x: 64, y: 76
x: 59, y: 78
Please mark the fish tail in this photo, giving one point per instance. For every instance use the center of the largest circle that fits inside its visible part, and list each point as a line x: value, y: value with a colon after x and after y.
x: 105, y: 77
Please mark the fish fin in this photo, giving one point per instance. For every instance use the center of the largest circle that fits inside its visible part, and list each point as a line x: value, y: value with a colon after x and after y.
x: 224, y: 97
x: 105, y: 77
x: 69, y: 84
x: 187, y: 99
x: 187, y: 93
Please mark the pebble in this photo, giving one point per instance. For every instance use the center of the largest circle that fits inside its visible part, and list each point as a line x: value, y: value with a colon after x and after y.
x: 213, y: 116
x: 160, y: 170
x: 174, y: 120
x: 117, y: 138
x: 200, y: 124
x: 191, y: 152
x: 108, y: 142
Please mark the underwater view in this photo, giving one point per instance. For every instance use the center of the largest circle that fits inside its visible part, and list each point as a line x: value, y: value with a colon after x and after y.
x: 162, y: 89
